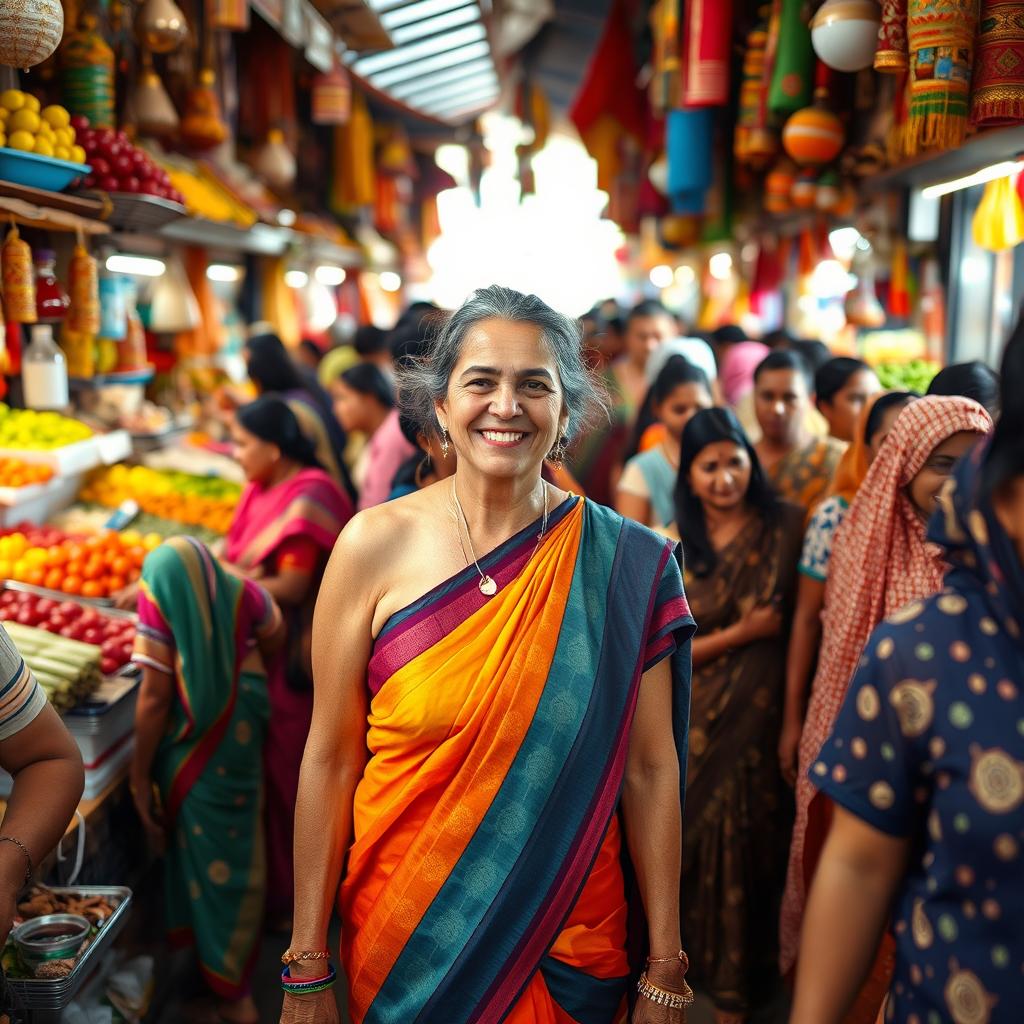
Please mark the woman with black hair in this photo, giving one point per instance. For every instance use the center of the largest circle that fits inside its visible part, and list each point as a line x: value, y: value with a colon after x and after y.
x: 273, y: 372
x: 740, y: 545
x: 971, y: 380
x: 925, y: 768
x: 645, y: 491
x: 289, y: 516
x: 841, y: 388
x: 425, y: 466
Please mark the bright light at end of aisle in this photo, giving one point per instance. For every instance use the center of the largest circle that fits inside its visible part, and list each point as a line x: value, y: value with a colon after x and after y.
x: 720, y: 266
x: 223, y: 273
x: 330, y: 276
x: 390, y: 281
x: 140, y: 266
x: 685, y: 275
x: 982, y: 177
x: 296, y: 278
x: 662, y: 276
x: 844, y: 241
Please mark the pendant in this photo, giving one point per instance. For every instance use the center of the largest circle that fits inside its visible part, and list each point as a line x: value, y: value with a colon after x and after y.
x: 487, y: 586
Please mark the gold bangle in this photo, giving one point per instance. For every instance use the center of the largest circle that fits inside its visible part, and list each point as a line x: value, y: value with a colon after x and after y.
x: 29, y: 866
x: 680, y: 957
x: 291, y: 957
x: 662, y: 997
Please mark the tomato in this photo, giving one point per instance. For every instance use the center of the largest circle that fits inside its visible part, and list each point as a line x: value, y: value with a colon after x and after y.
x: 92, y: 635
x: 71, y: 610
x: 111, y: 649
x: 108, y: 666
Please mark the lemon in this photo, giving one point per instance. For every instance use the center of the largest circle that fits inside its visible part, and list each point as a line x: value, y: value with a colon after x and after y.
x: 24, y: 120
x: 43, y: 147
x: 4, y: 115
x: 3, y: 142
x: 77, y: 155
x: 62, y: 152
x: 66, y: 137
x: 25, y: 141
x: 32, y: 103
x: 47, y: 130
x: 12, y: 99
x: 56, y: 117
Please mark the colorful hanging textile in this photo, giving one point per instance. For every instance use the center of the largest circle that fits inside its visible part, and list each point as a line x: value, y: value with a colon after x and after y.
x: 666, y: 82
x: 688, y: 146
x: 999, y: 220
x: 794, y: 62
x: 708, y: 40
x: 998, y: 96
x: 610, y: 104
x: 754, y: 145
x: 940, y: 34
x: 891, y: 55
x: 354, y: 182
x: 899, y: 280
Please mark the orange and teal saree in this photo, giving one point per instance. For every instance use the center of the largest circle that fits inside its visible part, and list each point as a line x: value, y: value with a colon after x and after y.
x: 485, y: 882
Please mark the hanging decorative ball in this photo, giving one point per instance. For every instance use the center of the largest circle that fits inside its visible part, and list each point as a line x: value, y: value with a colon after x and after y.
x: 813, y: 135
x: 161, y: 26
x: 805, y: 190
x: 844, y: 33
x: 29, y: 31
x: 828, y: 194
x: 762, y: 147
x: 777, y: 187
x: 657, y: 175
x: 275, y: 163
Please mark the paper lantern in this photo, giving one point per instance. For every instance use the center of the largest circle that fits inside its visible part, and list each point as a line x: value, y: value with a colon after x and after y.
x: 332, y: 97
x: 275, y: 162
x: 161, y: 26
x: 657, y: 175
x: 844, y: 33
x: 828, y: 194
x: 813, y: 135
x: 152, y: 110
x: 777, y: 187
x: 29, y: 31
x: 805, y: 190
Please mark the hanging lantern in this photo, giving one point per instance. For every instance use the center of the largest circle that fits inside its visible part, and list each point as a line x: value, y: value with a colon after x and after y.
x: 230, y: 15
x: 202, y: 126
x: 275, y: 163
x: 332, y: 97
x: 161, y: 26
x: 844, y: 33
x: 999, y: 220
x: 153, y: 112
x: 813, y: 135
x: 778, y: 185
x: 862, y: 306
x: 805, y: 190
x: 30, y: 31
x: 828, y: 194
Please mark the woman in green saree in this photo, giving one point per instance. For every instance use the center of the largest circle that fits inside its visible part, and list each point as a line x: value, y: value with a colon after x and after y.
x: 197, y: 773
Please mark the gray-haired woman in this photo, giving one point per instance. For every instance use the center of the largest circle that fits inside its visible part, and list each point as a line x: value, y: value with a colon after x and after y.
x: 500, y: 669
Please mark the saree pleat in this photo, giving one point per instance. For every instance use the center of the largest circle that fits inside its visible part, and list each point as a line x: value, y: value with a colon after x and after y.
x: 486, y: 875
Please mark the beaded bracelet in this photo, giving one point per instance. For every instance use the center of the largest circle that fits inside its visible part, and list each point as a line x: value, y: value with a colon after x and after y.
x: 308, y: 986
x: 662, y: 997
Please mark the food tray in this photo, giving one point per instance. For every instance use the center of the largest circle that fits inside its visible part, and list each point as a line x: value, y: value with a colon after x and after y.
x: 45, y: 172
x: 106, y: 603
x: 45, y: 994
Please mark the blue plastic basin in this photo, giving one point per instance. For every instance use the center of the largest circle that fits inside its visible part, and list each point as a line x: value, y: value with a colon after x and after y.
x: 45, y: 172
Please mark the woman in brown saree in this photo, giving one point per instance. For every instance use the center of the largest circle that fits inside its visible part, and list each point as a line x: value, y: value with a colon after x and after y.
x: 741, y: 547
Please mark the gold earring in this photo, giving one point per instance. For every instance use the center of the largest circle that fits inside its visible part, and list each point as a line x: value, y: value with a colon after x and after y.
x: 444, y: 443
x: 557, y: 454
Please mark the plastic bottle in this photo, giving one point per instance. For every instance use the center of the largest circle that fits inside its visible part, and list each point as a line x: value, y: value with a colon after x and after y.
x: 44, y: 372
x: 51, y: 299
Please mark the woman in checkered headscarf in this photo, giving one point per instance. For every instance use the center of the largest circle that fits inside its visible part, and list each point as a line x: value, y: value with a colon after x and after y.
x: 881, y: 561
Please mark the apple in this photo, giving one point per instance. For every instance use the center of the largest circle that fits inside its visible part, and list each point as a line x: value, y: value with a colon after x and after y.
x: 45, y: 606
x: 71, y: 611
x: 92, y: 635
x: 108, y: 666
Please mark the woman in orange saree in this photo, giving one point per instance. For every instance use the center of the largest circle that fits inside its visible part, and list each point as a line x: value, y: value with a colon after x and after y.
x: 512, y: 710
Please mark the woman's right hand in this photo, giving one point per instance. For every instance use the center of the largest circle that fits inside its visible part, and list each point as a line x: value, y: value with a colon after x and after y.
x: 319, y: 1008
x: 762, y: 623
x: 789, y: 749
x: 127, y: 600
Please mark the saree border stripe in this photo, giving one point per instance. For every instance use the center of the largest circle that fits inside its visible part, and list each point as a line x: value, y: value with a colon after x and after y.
x: 409, y: 891
x: 582, y: 996
x: 533, y: 900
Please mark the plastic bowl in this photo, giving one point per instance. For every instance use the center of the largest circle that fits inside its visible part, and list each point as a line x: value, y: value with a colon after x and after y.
x: 45, y: 172
x: 52, y: 937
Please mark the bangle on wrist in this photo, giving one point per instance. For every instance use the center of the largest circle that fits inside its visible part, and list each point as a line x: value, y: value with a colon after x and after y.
x: 662, y: 997
x: 676, y: 958
x: 308, y: 987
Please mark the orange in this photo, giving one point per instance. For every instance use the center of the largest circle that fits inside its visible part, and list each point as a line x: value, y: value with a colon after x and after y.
x: 137, y: 554
x: 115, y: 583
x: 76, y: 553
x: 35, y: 577
x: 54, y: 578
x: 57, y: 555
x: 74, y: 567
x: 92, y: 588
x: 72, y: 585
x: 93, y: 568
x: 121, y: 566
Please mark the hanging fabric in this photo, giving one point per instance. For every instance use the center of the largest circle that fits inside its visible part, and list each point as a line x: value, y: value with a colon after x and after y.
x: 892, y: 53
x: 688, y: 145
x: 794, y: 62
x: 998, y: 87
x: 354, y: 179
x: 666, y: 34
x: 707, y: 37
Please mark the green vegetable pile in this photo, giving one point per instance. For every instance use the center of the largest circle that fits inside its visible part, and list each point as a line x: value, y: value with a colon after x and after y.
x: 914, y: 375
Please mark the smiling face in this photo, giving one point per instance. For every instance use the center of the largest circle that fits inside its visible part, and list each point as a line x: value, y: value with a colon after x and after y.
x: 685, y: 401
x: 843, y: 410
x: 781, y: 401
x: 504, y: 409
x: 720, y: 475
x: 925, y: 488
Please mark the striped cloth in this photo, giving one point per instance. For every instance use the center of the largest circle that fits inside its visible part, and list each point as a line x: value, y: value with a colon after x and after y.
x: 21, y: 697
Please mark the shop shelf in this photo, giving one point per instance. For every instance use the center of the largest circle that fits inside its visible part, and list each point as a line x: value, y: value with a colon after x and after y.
x: 260, y: 239
x: 103, y: 380
x: 134, y: 212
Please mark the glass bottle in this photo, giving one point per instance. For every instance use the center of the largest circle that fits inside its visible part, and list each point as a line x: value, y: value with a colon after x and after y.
x: 51, y: 299
x: 44, y: 371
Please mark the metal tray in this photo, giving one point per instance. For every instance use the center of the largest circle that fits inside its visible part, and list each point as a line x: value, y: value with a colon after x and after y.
x: 46, y: 994
x: 105, y: 603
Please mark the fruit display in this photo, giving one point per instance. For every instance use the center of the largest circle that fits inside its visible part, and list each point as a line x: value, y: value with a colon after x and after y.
x: 914, y: 375
x: 199, y: 500
x: 119, y: 166
x: 15, y: 473
x: 29, y: 129
x: 27, y: 430
x: 206, y: 196
x: 93, y: 567
x: 115, y: 638
x: 68, y: 670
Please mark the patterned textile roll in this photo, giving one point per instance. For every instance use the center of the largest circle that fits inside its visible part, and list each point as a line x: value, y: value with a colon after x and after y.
x: 708, y: 38
x: 940, y: 35
x: 998, y: 96
x: 891, y: 55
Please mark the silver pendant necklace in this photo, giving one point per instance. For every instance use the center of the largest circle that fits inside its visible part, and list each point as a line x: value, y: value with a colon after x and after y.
x: 486, y: 584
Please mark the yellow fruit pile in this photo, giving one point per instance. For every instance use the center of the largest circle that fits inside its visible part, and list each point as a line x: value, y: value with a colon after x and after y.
x: 176, y: 496
x: 48, y: 132
x: 206, y: 197
x: 27, y: 430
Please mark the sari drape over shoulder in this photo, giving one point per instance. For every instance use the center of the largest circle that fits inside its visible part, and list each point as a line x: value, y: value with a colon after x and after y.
x: 485, y: 883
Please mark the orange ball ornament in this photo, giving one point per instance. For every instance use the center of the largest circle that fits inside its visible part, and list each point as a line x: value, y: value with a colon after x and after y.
x: 777, y: 187
x: 805, y: 190
x: 813, y: 136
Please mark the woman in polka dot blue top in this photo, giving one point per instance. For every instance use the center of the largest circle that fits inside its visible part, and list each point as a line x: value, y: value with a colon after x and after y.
x: 925, y: 767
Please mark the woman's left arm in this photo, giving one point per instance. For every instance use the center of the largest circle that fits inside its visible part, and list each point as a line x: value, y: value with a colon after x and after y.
x: 651, y: 804
x: 48, y: 781
x: 288, y: 587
